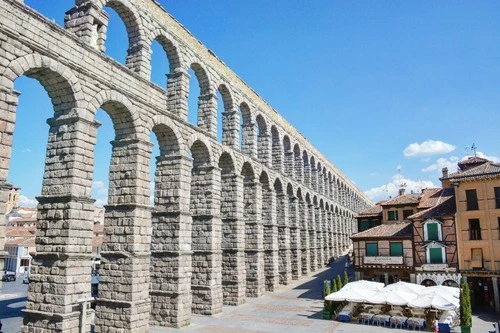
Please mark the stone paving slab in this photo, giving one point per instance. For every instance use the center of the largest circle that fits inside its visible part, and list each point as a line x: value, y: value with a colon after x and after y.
x: 296, y: 308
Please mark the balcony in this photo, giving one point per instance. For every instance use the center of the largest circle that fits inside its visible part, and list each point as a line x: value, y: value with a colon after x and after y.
x: 383, y: 260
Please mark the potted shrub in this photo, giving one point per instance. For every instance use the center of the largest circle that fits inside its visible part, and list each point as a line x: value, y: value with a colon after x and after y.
x: 346, y: 278
x: 327, y: 307
x: 465, y: 308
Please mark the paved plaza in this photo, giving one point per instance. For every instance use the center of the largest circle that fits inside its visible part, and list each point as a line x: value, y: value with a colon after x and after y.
x: 292, y: 309
x: 296, y: 308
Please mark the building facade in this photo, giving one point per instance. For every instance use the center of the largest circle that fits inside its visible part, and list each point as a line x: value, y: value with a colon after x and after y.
x: 477, y: 197
x: 383, y: 250
x: 434, y: 239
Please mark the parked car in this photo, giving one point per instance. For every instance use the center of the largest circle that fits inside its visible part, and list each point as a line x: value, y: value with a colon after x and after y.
x: 9, y: 277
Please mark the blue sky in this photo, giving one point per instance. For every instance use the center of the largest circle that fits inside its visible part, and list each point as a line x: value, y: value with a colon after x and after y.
x: 389, y: 91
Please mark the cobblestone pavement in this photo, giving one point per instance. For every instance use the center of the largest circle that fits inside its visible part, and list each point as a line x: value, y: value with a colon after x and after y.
x: 296, y: 308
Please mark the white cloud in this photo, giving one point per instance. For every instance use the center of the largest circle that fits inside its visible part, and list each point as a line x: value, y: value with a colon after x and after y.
x: 99, y: 188
x: 101, y: 202
x: 391, y: 189
x: 27, y: 150
x: 24, y: 201
x: 450, y: 163
x: 428, y: 148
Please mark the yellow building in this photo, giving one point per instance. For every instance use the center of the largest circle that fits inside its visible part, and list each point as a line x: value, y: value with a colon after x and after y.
x: 477, y: 196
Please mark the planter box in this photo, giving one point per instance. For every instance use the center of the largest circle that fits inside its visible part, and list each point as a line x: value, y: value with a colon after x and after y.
x: 327, y: 315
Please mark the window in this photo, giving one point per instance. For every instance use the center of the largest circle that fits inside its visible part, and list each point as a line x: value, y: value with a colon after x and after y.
x: 498, y: 221
x: 25, y: 251
x: 435, y: 255
x: 474, y: 229
x: 497, y: 197
x: 367, y: 224
x: 396, y: 249
x: 476, y: 258
x: 372, y: 249
x: 407, y: 212
x: 364, y: 225
x: 392, y: 215
x: 432, y: 231
x: 471, y: 197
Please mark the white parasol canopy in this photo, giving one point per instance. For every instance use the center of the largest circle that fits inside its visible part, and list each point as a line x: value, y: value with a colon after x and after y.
x: 386, y: 296
x: 356, y: 291
x: 441, y: 301
x: 402, y: 286
x: 453, y: 291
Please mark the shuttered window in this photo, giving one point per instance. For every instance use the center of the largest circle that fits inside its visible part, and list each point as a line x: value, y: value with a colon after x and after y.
x: 371, y: 249
x: 432, y: 231
x: 396, y: 249
x: 436, y: 255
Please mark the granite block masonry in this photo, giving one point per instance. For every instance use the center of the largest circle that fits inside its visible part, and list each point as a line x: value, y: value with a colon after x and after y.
x: 231, y: 218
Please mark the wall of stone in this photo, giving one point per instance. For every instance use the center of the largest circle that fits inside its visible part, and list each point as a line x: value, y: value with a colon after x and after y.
x: 226, y: 224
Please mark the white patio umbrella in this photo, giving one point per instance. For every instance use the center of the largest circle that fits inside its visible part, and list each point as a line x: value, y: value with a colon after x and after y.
x: 356, y: 291
x: 350, y: 295
x: 364, y: 285
x: 441, y: 290
x: 402, y: 286
x: 391, y: 297
x: 441, y: 301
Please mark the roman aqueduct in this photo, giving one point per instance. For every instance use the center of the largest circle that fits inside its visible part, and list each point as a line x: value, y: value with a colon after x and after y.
x: 230, y: 219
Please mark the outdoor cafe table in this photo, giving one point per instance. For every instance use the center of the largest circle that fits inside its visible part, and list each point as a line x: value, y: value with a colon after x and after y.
x: 381, y: 319
x: 398, y: 321
x: 365, y: 317
x: 416, y: 322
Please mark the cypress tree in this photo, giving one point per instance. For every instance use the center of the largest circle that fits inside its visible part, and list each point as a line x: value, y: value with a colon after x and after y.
x: 346, y: 278
x: 339, y: 282
x: 334, y: 285
x: 465, y: 306
x: 327, y: 288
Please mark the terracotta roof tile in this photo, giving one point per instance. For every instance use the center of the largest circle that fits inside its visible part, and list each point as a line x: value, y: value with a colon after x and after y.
x: 439, y: 203
x: 398, y: 229
x: 371, y: 211
x: 402, y: 200
x: 486, y: 170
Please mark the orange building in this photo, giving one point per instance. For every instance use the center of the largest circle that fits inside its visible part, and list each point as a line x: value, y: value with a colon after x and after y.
x: 477, y: 197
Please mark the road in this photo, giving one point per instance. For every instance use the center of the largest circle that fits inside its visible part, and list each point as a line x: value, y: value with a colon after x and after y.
x: 12, y: 301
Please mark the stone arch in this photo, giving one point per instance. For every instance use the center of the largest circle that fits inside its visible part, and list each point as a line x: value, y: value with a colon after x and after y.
x: 227, y: 121
x: 200, y: 150
x: 248, y: 140
x: 226, y: 164
x: 287, y: 156
x: 247, y: 171
x: 169, y: 46
x: 131, y: 19
x: 121, y: 111
x: 263, y: 142
x: 306, y: 169
x: 297, y: 163
x: 277, y: 156
x: 207, y: 101
x: 58, y: 80
x: 158, y: 124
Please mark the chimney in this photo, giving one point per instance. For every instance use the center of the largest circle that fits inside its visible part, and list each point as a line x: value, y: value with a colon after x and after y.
x: 401, y: 191
x: 445, y: 172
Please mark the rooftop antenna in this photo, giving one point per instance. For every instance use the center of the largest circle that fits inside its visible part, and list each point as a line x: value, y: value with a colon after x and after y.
x: 474, y: 148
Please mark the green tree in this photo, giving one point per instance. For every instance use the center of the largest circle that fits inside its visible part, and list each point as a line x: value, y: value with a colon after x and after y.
x: 339, y: 282
x: 465, y: 306
x: 327, y: 288
x: 346, y: 278
x: 334, y: 285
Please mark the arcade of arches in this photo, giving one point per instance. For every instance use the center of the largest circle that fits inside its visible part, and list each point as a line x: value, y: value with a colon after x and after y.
x: 230, y: 219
